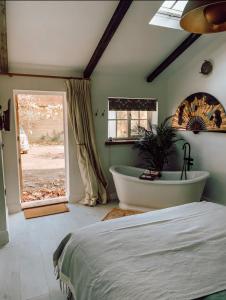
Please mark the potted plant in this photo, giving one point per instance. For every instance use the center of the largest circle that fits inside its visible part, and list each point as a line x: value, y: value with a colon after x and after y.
x: 156, y: 144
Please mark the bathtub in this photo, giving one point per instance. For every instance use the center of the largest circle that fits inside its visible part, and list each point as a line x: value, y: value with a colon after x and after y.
x: 169, y: 190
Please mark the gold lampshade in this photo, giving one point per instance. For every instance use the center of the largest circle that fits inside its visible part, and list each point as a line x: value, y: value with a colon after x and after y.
x: 204, y: 16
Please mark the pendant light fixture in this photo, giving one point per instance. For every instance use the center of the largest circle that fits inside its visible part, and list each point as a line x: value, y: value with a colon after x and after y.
x: 204, y: 16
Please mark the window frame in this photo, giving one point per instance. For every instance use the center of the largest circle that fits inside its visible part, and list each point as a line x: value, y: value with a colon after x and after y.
x: 172, y: 11
x: 168, y: 16
x: 129, y: 119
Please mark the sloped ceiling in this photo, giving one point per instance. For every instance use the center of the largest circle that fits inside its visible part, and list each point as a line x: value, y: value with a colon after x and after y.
x: 55, y: 35
x: 59, y: 37
x: 138, y: 47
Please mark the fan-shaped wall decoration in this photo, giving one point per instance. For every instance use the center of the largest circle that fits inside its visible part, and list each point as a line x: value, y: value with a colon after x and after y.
x: 200, y: 112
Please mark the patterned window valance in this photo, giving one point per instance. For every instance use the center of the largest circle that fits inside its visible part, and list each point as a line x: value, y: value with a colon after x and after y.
x: 142, y: 104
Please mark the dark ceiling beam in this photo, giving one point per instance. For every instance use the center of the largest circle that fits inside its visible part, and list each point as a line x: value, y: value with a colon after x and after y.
x: 116, y: 19
x: 3, y: 38
x: 173, y: 56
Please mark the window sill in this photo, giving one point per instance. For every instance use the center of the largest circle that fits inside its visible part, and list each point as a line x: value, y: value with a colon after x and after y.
x: 120, y: 142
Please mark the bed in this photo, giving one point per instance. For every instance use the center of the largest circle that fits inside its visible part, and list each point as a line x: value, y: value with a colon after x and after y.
x: 177, y: 253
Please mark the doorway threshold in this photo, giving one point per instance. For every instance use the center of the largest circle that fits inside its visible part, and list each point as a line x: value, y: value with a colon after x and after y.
x: 44, y: 202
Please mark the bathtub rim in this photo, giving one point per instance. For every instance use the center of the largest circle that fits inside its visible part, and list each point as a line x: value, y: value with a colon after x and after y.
x: 205, y: 175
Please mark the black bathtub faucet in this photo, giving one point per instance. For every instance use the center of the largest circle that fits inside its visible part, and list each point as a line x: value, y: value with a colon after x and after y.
x: 188, y: 160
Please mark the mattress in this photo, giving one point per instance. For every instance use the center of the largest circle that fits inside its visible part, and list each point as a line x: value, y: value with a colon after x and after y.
x: 174, y: 253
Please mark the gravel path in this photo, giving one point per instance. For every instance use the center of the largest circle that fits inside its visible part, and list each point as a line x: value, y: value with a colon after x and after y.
x: 43, y: 172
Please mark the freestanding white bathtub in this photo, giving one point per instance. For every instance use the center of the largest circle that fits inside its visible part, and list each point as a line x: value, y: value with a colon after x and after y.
x: 169, y: 190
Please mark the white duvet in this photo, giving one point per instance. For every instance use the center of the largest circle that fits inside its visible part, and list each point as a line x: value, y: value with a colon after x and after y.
x: 175, y: 253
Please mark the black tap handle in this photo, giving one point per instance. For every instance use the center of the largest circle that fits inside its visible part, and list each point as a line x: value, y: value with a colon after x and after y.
x: 189, y: 159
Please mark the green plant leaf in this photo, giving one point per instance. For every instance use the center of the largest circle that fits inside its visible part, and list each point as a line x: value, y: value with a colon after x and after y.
x: 156, y: 144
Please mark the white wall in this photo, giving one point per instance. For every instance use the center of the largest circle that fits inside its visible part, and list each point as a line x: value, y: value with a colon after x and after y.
x: 182, y: 79
x: 108, y: 84
x: 103, y: 85
x: 3, y: 220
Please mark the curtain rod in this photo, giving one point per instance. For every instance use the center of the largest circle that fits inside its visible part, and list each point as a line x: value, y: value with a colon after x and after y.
x: 42, y: 76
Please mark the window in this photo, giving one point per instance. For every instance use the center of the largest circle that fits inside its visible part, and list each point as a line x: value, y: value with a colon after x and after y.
x: 123, y: 124
x: 169, y: 14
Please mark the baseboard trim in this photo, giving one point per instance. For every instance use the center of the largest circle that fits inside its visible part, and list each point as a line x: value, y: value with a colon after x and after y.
x: 13, y: 208
x: 205, y: 198
x: 76, y: 199
x: 113, y: 196
x: 4, y: 238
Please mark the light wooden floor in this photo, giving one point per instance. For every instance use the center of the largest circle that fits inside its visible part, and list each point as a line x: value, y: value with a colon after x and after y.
x: 26, y: 271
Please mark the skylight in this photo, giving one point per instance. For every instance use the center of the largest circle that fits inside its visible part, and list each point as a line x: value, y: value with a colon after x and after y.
x: 169, y: 14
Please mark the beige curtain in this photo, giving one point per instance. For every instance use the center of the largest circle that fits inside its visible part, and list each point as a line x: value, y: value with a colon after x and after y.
x: 81, y: 118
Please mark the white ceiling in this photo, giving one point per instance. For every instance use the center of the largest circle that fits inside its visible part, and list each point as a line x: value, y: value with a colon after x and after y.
x: 138, y: 47
x: 55, y: 34
x: 60, y: 37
